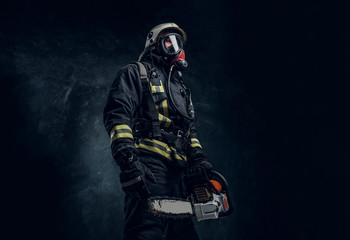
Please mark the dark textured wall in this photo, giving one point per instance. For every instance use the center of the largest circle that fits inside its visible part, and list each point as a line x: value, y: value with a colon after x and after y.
x: 269, y: 84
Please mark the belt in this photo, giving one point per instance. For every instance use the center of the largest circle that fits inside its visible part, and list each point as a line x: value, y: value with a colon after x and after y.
x: 174, y: 137
x: 143, y: 128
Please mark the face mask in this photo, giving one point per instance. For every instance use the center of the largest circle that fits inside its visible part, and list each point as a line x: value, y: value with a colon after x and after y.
x: 171, y: 48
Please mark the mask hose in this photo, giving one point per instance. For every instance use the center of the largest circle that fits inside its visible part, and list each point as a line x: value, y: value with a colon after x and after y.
x: 171, y: 96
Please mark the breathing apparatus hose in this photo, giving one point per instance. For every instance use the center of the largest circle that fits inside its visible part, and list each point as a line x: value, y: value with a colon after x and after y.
x: 171, y: 95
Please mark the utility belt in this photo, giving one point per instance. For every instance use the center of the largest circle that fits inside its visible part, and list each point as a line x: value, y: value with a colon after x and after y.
x: 173, y: 137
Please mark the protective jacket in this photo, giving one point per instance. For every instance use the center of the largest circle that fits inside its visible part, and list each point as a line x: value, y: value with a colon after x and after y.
x: 128, y: 120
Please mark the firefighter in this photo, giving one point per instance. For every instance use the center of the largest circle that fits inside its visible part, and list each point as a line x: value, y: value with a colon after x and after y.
x: 150, y: 118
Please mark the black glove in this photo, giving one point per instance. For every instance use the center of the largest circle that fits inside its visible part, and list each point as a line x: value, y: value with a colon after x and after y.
x: 133, y: 172
x: 196, y: 175
x: 199, y: 158
x: 203, y: 163
x: 132, y: 179
x: 199, y: 169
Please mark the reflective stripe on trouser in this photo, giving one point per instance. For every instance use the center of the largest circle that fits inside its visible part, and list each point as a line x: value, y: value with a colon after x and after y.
x: 140, y: 223
x: 121, y: 131
x: 160, y: 148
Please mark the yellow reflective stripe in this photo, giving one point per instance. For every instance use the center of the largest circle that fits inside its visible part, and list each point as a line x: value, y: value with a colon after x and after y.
x: 122, y: 135
x: 118, y: 131
x: 166, y: 121
x: 188, y: 132
x: 161, y: 152
x: 194, y: 140
x: 154, y: 149
x: 177, y: 156
x: 157, y: 142
x: 160, y: 117
x: 165, y: 108
x: 120, y: 127
x: 157, y: 89
x: 195, y: 143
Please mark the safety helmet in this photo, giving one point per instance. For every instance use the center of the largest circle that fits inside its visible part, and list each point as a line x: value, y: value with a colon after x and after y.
x: 154, y: 35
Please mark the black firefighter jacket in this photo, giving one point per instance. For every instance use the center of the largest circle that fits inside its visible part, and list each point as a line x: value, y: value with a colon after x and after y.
x: 126, y: 105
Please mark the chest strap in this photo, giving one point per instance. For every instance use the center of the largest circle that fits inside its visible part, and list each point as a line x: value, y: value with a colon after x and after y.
x: 152, y: 111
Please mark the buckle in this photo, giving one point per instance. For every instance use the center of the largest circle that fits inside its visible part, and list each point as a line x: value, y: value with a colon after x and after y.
x: 180, y: 133
x: 140, y: 126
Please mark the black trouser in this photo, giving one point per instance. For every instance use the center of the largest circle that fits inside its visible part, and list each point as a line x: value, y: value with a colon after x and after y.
x: 140, y: 223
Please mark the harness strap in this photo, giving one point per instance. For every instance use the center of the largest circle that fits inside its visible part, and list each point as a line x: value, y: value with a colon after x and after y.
x: 150, y: 103
x: 179, y: 141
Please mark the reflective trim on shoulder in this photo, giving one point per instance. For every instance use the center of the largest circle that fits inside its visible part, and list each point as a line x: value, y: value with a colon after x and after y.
x: 195, y: 143
x: 121, y: 131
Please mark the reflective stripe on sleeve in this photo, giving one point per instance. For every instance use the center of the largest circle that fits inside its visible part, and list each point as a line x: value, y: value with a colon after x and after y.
x: 121, y: 131
x: 195, y: 143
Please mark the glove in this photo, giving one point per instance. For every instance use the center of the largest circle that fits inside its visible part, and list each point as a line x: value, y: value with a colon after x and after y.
x: 203, y: 163
x: 198, y: 158
x: 199, y: 169
x: 133, y: 173
x: 196, y: 175
x: 132, y: 179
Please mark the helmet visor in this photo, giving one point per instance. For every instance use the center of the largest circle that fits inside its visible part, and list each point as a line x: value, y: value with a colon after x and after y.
x: 172, y: 43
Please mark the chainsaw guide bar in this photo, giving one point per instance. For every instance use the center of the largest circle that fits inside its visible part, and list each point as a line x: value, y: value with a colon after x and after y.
x: 168, y: 207
x: 208, y: 201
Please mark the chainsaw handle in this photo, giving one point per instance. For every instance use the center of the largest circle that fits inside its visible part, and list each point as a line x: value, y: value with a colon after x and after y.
x: 225, y: 186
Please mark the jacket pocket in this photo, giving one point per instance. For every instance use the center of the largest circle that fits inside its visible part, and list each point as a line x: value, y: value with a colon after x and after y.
x: 158, y: 91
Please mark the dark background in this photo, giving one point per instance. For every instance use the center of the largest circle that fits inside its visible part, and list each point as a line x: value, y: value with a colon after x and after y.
x: 270, y: 87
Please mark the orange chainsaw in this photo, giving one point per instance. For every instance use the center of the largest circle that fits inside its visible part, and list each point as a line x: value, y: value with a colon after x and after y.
x: 209, y: 200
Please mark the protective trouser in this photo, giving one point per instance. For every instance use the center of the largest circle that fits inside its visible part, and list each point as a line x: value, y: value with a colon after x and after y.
x: 140, y: 223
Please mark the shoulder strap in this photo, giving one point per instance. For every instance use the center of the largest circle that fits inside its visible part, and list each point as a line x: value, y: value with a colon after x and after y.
x: 142, y: 69
x: 148, y: 96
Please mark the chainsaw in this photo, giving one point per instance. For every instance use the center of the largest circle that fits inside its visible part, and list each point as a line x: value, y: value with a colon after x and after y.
x: 209, y: 200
